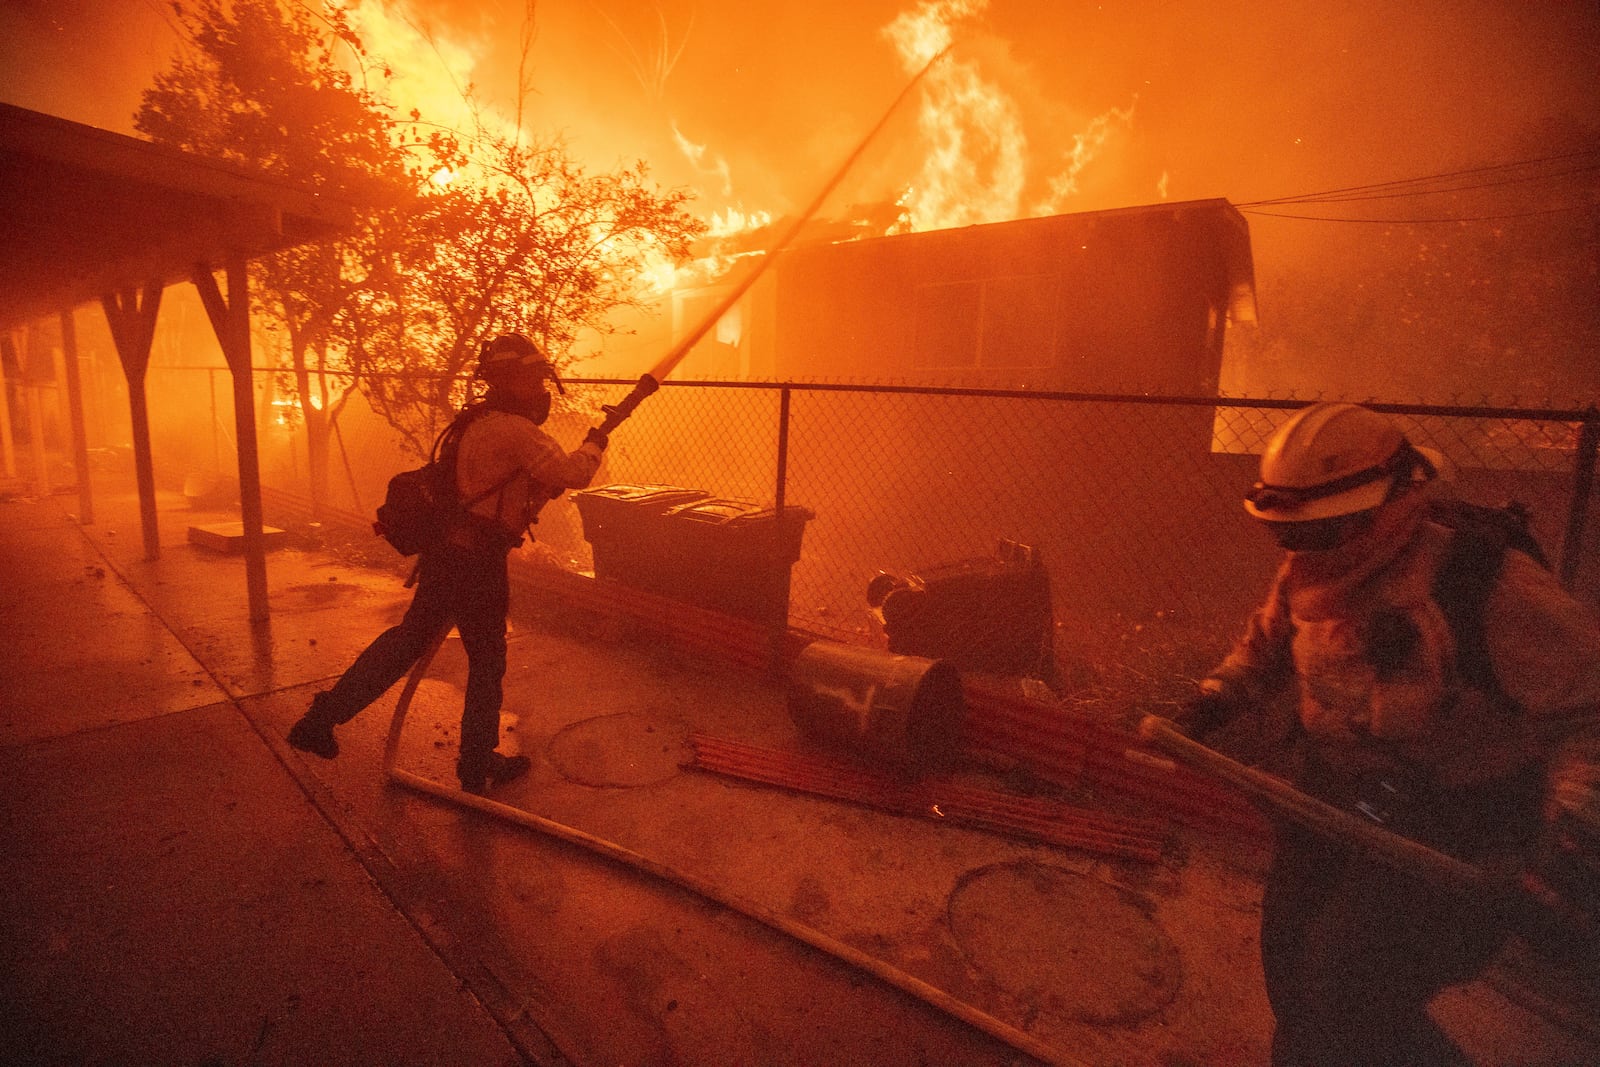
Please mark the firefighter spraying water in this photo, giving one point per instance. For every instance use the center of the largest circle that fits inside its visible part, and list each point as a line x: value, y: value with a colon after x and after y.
x: 526, y: 369
x: 492, y: 470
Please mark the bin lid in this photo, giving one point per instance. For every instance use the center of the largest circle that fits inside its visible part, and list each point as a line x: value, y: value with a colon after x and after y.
x: 640, y: 495
x: 721, y: 511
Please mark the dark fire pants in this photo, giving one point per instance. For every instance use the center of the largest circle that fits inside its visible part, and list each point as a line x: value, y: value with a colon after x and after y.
x: 466, y: 587
x: 1353, y: 951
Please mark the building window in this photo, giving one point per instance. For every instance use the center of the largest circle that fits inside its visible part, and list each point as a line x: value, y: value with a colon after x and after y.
x: 947, y: 325
x: 1019, y: 321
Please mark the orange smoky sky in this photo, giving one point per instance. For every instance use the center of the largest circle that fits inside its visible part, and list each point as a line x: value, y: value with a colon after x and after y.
x: 752, y: 104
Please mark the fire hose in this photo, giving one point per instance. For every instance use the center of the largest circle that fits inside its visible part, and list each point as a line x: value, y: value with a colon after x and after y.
x: 615, y: 415
x: 1282, y: 799
x: 1518, y: 903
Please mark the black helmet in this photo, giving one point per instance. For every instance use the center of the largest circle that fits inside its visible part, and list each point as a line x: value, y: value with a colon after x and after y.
x: 515, y: 351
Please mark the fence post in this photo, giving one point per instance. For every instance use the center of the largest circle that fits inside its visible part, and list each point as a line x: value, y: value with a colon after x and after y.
x: 780, y: 626
x: 1582, y: 486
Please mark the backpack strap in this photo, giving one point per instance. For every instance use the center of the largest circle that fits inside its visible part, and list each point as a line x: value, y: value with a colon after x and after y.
x: 448, y: 446
x: 1461, y: 588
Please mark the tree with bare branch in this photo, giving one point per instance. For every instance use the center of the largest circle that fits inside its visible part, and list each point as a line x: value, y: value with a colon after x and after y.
x: 265, y: 84
x: 521, y: 239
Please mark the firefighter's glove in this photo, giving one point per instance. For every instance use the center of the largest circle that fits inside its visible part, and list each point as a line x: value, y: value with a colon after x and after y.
x: 1203, y: 714
x: 596, y: 438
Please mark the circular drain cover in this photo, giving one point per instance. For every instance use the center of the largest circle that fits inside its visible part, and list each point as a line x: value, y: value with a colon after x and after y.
x: 618, y: 750
x: 1064, y: 943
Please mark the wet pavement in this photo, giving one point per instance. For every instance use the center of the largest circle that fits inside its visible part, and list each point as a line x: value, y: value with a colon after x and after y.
x: 181, y: 887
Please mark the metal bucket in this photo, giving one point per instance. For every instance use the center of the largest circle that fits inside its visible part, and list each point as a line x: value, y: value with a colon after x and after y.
x: 902, y: 710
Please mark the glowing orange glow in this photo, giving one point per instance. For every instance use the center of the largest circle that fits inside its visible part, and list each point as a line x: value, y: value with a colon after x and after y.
x: 977, y: 164
x: 432, y: 74
x: 926, y: 30
x: 973, y: 163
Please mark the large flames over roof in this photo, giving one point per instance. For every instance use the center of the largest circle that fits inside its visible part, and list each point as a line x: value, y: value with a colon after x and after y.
x: 962, y: 154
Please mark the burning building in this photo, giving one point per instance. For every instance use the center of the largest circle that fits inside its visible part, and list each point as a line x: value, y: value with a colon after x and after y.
x: 1129, y: 300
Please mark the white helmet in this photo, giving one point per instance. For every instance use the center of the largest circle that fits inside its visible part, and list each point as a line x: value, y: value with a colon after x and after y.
x: 1333, y: 459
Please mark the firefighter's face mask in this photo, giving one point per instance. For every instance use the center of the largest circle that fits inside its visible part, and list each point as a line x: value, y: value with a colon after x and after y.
x: 538, y: 407
x: 521, y: 391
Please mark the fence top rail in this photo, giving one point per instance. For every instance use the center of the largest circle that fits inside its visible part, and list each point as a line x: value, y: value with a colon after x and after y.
x: 1590, y: 414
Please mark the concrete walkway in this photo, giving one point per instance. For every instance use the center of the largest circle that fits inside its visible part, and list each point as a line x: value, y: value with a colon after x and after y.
x: 181, y: 887
x: 168, y: 894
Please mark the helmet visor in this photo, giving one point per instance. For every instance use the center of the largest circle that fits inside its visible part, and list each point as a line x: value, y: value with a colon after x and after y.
x: 1266, y: 498
x: 503, y: 366
x: 543, y: 369
x: 1358, y: 491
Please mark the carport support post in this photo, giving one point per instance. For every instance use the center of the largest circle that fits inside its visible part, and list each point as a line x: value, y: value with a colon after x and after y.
x: 133, y: 326
x: 230, y: 318
x: 8, y: 448
x: 80, y: 437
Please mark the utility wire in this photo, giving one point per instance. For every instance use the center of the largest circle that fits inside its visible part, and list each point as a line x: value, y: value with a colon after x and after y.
x: 1328, y: 199
x: 1416, y: 222
x: 1416, y: 186
x: 1460, y: 181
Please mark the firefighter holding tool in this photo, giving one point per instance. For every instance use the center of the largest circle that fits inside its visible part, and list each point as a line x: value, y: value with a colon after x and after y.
x: 505, y: 468
x: 1448, y: 693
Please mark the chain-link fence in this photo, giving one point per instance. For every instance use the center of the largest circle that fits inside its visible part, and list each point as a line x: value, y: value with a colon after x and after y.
x: 1102, y: 535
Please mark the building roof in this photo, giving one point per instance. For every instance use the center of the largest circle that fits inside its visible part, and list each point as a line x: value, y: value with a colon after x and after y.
x: 84, y: 211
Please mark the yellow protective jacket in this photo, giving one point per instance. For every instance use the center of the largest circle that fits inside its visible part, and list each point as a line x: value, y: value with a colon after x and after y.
x: 1375, y: 662
x: 498, y: 445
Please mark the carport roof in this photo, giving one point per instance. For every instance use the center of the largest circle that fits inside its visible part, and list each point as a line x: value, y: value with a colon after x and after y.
x: 84, y: 211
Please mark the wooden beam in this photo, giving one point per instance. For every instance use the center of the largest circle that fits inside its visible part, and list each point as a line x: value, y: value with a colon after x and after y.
x: 132, y: 317
x: 230, y: 318
x: 8, y: 448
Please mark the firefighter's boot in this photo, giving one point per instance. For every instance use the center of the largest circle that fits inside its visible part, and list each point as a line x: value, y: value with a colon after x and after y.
x: 314, y: 732
x: 477, y: 775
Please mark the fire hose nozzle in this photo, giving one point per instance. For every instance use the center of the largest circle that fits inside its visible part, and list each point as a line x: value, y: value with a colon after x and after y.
x: 616, y: 413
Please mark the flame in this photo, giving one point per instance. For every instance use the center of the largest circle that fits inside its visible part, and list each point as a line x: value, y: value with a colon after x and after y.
x: 735, y: 221
x: 1085, y: 146
x: 658, y: 278
x: 695, y: 154
x: 976, y: 164
x: 928, y: 29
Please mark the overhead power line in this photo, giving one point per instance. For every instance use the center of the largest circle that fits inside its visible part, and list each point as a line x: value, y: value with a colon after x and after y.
x: 1426, y: 185
x: 1413, y: 222
x: 1500, y: 175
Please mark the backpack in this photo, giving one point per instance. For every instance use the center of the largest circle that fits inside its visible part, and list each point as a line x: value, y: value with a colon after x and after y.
x: 419, y: 506
x: 1481, y: 537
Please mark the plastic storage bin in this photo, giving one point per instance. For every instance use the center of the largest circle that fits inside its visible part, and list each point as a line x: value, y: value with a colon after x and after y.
x: 730, y: 556
x: 623, y: 522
